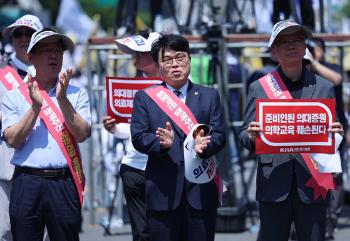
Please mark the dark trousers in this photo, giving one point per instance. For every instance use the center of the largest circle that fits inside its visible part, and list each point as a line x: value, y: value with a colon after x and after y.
x: 335, y: 206
x: 134, y: 191
x: 37, y: 202
x: 182, y: 224
x: 276, y: 219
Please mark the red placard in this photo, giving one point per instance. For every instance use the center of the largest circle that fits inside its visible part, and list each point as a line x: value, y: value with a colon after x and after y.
x: 120, y: 95
x: 295, y: 126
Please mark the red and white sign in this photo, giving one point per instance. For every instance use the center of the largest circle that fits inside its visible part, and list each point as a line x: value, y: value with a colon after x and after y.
x: 120, y: 95
x: 295, y: 126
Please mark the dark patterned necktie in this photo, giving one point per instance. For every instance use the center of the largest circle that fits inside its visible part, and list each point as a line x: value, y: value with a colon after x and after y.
x: 177, y: 93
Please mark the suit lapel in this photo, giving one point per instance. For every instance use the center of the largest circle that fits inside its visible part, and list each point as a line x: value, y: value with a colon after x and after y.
x: 309, y: 85
x: 192, y: 98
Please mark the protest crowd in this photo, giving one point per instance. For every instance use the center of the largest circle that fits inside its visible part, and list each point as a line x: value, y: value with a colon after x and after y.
x: 176, y: 120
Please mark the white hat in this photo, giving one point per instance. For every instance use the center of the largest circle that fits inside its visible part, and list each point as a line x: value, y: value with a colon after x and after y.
x: 29, y: 21
x: 288, y: 27
x: 137, y: 43
x: 49, y: 36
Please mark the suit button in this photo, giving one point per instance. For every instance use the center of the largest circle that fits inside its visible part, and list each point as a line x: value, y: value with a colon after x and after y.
x: 291, y: 156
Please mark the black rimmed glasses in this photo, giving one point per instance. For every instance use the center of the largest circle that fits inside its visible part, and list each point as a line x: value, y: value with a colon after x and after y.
x: 180, y: 58
x: 292, y: 42
x: 18, y: 33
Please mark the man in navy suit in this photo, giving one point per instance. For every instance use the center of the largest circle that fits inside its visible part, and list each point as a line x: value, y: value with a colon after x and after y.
x: 281, y: 191
x: 177, y: 210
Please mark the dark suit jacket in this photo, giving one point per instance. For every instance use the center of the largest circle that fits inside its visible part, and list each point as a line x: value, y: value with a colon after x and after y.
x: 165, y: 181
x: 275, y: 171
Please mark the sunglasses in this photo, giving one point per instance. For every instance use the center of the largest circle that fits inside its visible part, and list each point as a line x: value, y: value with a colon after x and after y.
x: 18, y: 33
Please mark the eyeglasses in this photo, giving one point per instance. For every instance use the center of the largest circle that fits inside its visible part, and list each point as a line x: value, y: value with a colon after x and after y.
x: 50, y: 50
x: 180, y: 58
x: 18, y: 33
x: 294, y: 42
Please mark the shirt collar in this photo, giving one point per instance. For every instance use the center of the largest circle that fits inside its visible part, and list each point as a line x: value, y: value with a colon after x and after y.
x: 52, y: 90
x: 18, y: 63
x: 289, y: 82
x: 183, y: 89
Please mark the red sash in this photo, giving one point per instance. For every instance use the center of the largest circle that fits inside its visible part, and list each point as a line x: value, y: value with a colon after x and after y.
x: 9, y: 77
x: 181, y: 115
x: 320, y: 182
x: 54, y: 121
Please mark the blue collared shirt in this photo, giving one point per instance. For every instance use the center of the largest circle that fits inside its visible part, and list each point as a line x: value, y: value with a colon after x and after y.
x: 183, y: 91
x: 40, y: 150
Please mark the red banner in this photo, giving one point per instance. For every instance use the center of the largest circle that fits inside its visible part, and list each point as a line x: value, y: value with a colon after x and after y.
x: 286, y: 122
x: 120, y: 95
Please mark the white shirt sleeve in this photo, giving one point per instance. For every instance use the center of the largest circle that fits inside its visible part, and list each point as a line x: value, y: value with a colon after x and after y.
x: 123, y: 131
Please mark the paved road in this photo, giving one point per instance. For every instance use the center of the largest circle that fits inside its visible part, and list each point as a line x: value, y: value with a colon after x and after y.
x: 96, y: 232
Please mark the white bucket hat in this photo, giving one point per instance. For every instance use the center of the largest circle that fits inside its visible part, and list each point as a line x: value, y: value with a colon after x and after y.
x: 288, y: 27
x: 49, y: 36
x: 29, y: 21
x: 137, y: 43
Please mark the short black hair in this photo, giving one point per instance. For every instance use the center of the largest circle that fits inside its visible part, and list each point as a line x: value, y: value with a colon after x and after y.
x: 174, y: 42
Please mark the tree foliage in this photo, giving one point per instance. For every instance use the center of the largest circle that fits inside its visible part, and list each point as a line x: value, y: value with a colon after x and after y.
x: 91, y: 7
x: 106, y: 12
x: 346, y: 9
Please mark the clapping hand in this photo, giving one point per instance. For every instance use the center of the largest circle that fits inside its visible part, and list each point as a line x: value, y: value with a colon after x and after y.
x: 63, y: 81
x: 165, y: 136
x: 201, y: 142
x: 34, y: 93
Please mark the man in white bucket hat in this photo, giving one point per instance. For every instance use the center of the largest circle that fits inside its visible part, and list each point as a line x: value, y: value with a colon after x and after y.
x: 44, y: 120
x: 288, y: 187
x: 20, y: 33
x: 133, y: 165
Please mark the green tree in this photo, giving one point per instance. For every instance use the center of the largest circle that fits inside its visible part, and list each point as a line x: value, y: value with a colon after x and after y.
x: 105, y: 8
x: 346, y: 9
x: 53, y: 7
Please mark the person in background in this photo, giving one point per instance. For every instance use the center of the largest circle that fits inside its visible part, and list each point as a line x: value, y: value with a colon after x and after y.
x: 302, y: 11
x: 269, y: 65
x: 155, y: 9
x: 177, y: 210
x: 20, y: 33
x: 133, y: 164
x: 281, y: 191
x: 48, y: 180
